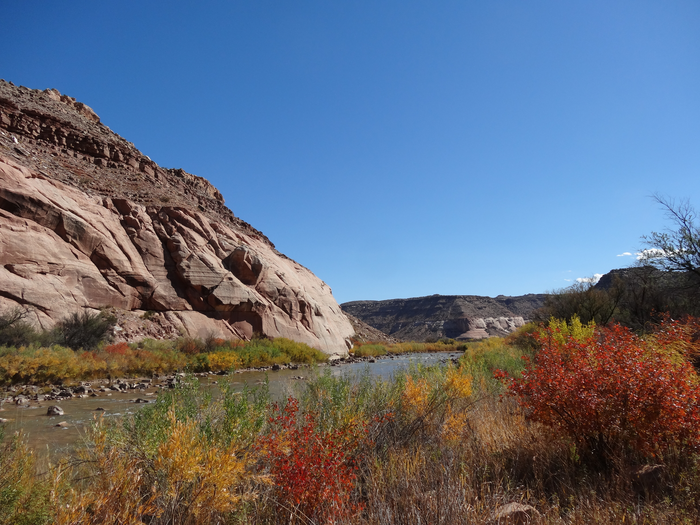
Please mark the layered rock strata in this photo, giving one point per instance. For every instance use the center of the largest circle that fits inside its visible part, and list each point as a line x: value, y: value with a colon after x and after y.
x: 460, y: 317
x: 87, y: 221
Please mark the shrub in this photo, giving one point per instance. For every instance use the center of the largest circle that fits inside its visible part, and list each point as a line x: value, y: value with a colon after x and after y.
x: 562, y: 330
x: 524, y: 337
x: 482, y: 358
x: 314, y: 471
x: 188, y: 480
x: 225, y: 361
x: 299, y: 352
x: 118, y: 349
x: 48, y: 365
x: 185, y: 459
x: 190, y: 345
x: 584, y: 300
x: 84, y: 330
x: 613, y: 389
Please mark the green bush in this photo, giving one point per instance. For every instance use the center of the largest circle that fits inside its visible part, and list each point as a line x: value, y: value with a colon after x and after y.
x: 83, y: 330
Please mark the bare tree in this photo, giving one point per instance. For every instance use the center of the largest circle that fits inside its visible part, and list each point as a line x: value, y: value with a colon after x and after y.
x: 678, y: 249
x: 14, y: 316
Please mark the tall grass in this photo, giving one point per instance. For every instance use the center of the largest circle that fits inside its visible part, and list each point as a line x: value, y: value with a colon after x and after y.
x: 24, y: 496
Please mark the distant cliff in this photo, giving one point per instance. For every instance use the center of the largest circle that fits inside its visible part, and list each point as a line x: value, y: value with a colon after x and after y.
x: 452, y: 316
x: 87, y: 222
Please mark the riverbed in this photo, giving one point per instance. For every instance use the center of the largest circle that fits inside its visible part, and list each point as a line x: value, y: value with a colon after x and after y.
x: 44, y: 435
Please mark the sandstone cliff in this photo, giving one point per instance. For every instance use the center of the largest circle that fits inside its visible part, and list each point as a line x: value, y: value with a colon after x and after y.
x: 87, y: 221
x: 453, y: 316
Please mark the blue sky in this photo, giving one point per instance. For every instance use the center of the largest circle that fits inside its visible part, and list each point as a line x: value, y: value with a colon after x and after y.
x: 399, y: 148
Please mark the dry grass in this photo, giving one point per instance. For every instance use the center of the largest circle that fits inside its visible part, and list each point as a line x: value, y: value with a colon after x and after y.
x: 502, y: 459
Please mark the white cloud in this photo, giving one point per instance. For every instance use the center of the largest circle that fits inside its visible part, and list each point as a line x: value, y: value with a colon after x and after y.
x: 625, y: 254
x: 596, y: 277
x: 651, y: 253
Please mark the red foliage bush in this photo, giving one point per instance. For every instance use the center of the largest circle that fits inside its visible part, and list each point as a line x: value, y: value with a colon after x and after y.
x: 314, y: 470
x: 117, y: 349
x: 615, y: 388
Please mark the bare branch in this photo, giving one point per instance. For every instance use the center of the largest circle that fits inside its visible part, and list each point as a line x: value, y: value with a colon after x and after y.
x: 677, y: 249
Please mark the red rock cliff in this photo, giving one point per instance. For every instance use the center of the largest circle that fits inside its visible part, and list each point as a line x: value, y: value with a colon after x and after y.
x: 87, y: 221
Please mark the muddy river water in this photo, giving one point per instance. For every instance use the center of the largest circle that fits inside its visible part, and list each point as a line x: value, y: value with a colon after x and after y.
x: 43, y: 434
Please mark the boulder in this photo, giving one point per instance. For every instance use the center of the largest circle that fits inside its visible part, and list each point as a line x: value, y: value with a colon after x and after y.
x: 514, y: 514
x: 54, y: 411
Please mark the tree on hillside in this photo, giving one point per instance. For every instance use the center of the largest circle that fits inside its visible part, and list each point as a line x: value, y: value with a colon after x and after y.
x: 678, y: 249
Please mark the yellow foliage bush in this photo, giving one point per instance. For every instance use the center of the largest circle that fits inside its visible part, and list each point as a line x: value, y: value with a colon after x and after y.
x: 110, y: 492
x: 189, y: 479
x: 458, y: 382
x: 562, y: 330
x: 454, y: 425
x: 200, y: 476
x: 416, y: 394
x: 219, y: 361
x: 23, y: 496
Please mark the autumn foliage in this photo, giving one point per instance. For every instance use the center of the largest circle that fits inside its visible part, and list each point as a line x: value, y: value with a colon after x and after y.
x: 614, y: 388
x: 314, y: 470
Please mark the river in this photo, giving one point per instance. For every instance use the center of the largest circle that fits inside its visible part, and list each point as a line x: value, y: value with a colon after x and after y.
x: 43, y: 434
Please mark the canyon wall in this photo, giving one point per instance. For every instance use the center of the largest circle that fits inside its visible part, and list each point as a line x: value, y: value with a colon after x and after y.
x: 460, y: 317
x: 88, y: 222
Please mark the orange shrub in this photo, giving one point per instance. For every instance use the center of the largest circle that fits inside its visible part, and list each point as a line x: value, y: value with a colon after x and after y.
x: 118, y: 349
x: 613, y: 388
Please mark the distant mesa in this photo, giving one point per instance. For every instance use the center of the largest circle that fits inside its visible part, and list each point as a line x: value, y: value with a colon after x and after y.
x: 87, y: 221
x: 461, y: 317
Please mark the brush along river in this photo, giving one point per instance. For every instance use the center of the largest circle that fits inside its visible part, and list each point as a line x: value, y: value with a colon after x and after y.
x: 43, y: 433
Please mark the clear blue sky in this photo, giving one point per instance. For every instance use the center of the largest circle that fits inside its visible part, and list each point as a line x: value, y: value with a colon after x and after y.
x: 399, y: 148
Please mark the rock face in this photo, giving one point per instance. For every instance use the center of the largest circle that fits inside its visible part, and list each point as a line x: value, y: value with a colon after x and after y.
x: 365, y: 333
x: 454, y: 316
x: 87, y: 221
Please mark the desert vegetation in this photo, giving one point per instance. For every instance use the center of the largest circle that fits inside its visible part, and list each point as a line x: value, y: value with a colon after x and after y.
x: 567, y: 422
x: 78, y: 349
x: 374, y: 349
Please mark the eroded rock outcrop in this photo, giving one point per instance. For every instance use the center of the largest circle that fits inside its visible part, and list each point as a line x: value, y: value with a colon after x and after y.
x: 86, y: 221
x: 459, y: 317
